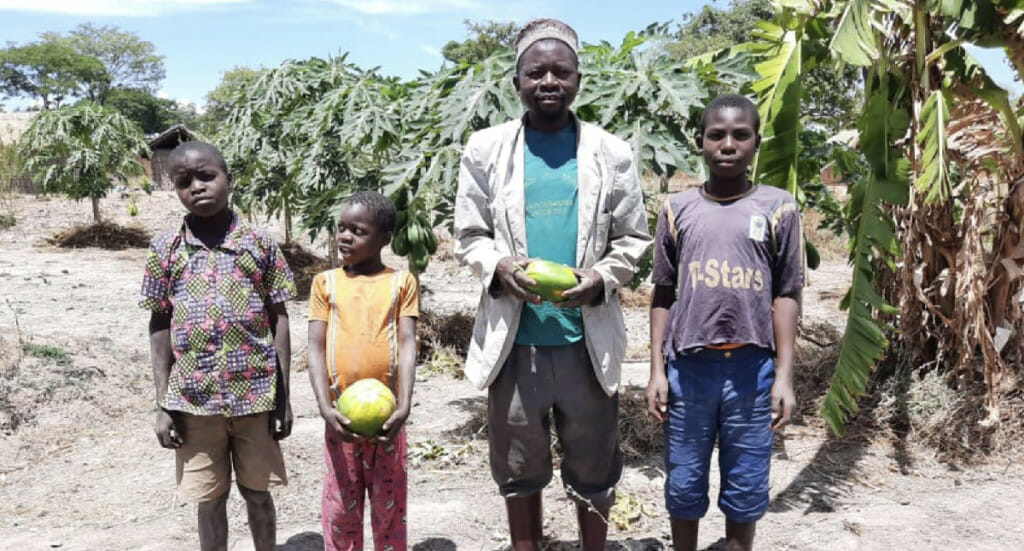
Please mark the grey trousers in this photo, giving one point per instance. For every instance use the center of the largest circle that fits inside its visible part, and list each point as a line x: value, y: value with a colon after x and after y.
x: 541, y: 383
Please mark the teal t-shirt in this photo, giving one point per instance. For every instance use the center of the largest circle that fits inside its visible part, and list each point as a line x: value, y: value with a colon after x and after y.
x: 551, y: 195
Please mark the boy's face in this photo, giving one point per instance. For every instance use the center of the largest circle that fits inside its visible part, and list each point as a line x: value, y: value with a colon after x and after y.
x: 359, y: 238
x: 729, y: 142
x: 201, y: 183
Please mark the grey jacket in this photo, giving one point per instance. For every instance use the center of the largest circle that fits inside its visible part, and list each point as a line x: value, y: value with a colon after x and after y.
x: 490, y: 224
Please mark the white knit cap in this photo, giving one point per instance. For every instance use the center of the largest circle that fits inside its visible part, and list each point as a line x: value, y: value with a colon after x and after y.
x: 540, y: 29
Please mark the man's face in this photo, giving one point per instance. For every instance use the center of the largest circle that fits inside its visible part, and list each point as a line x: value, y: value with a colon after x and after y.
x: 201, y: 182
x: 547, y: 81
x: 729, y: 142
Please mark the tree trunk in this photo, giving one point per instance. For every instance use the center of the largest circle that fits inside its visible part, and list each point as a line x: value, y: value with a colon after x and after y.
x: 95, y: 209
x: 287, y: 224
x: 332, y: 249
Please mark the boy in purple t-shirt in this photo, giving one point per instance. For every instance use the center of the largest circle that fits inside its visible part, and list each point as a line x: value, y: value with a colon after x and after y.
x: 728, y: 271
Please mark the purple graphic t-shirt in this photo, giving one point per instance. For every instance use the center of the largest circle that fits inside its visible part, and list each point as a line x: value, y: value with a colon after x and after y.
x: 727, y: 260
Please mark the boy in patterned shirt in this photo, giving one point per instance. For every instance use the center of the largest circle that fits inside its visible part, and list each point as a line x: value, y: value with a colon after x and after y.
x: 216, y: 289
x: 362, y: 324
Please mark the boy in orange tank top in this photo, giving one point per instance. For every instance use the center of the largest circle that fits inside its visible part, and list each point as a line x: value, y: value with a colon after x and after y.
x: 362, y: 324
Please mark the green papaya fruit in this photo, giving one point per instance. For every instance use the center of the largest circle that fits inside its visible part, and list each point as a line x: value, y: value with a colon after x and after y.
x: 401, y: 198
x: 431, y: 241
x: 813, y: 258
x: 552, y: 278
x: 400, y: 243
x: 421, y: 264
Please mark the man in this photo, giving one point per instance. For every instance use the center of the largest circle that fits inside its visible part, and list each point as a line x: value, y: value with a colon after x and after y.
x: 549, y: 186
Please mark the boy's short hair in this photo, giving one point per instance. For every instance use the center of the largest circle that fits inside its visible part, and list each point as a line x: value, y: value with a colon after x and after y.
x: 726, y: 101
x: 381, y: 208
x: 200, y: 147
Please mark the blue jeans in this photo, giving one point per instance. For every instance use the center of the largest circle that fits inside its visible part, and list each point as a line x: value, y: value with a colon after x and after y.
x: 723, y: 395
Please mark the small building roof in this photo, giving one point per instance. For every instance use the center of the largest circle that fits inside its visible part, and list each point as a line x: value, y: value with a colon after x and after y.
x: 173, y: 136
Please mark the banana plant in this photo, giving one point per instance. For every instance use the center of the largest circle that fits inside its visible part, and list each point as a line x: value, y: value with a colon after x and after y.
x: 930, y: 167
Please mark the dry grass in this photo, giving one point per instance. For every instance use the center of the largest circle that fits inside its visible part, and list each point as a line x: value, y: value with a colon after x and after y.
x: 814, y: 360
x: 33, y: 376
x: 444, y: 335
x: 104, y: 235
x: 636, y: 298
x: 924, y: 412
x: 305, y: 264
x: 640, y: 435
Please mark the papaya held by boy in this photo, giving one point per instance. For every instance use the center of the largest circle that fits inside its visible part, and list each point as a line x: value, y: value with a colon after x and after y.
x: 220, y: 349
x: 728, y: 272
x: 549, y: 186
x: 362, y: 324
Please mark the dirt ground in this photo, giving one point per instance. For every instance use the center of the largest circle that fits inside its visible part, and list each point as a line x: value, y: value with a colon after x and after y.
x: 80, y: 468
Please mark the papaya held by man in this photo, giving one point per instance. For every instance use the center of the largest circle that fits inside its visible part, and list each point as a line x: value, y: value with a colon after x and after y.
x: 548, y: 186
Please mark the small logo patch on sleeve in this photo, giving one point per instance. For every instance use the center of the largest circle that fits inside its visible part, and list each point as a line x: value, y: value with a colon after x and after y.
x: 758, y: 227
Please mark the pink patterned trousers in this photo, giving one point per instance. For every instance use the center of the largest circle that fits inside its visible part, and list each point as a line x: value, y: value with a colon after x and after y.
x: 353, y: 471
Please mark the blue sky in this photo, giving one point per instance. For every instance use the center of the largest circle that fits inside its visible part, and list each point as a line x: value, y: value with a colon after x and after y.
x: 200, y: 39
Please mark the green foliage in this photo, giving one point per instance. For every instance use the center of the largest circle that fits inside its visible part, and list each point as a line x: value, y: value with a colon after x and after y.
x: 815, y: 154
x: 486, y: 39
x: 152, y: 114
x: 220, y: 100
x: 779, y: 61
x: 639, y: 92
x: 934, y: 180
x: 713, y: 29
x: 48, y: 71
x: 855, y: 40
x: 130, y: 62
x: 824, y: 104
x: 50, y: 352
x: 438, y: 115
x: 883, y: 123
x: 81, y: 150
x: 306, y: 134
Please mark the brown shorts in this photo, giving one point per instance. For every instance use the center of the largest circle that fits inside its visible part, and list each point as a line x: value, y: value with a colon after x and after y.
x: 536, y: 384
x: 213, y: 443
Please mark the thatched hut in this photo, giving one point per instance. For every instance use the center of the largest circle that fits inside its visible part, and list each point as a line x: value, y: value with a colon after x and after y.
x: 161, y: 147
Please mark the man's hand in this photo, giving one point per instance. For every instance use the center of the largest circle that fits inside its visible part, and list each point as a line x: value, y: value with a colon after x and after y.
x: 393, y: 425
x: 586, y: 292
x: 657, y: 397
x: 168, y: 430
x: 281, y: 420
x: 339, y: 424
x: 513, y: 279
x: 783, y: 403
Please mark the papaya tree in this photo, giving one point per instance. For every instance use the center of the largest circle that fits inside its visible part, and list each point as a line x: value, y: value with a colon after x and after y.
x: 82, y: 151
x: 255, y: 141
x: 306, y: 134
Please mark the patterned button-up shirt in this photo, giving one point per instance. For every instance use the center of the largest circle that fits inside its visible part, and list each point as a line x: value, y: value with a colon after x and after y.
x: 224, y: 357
